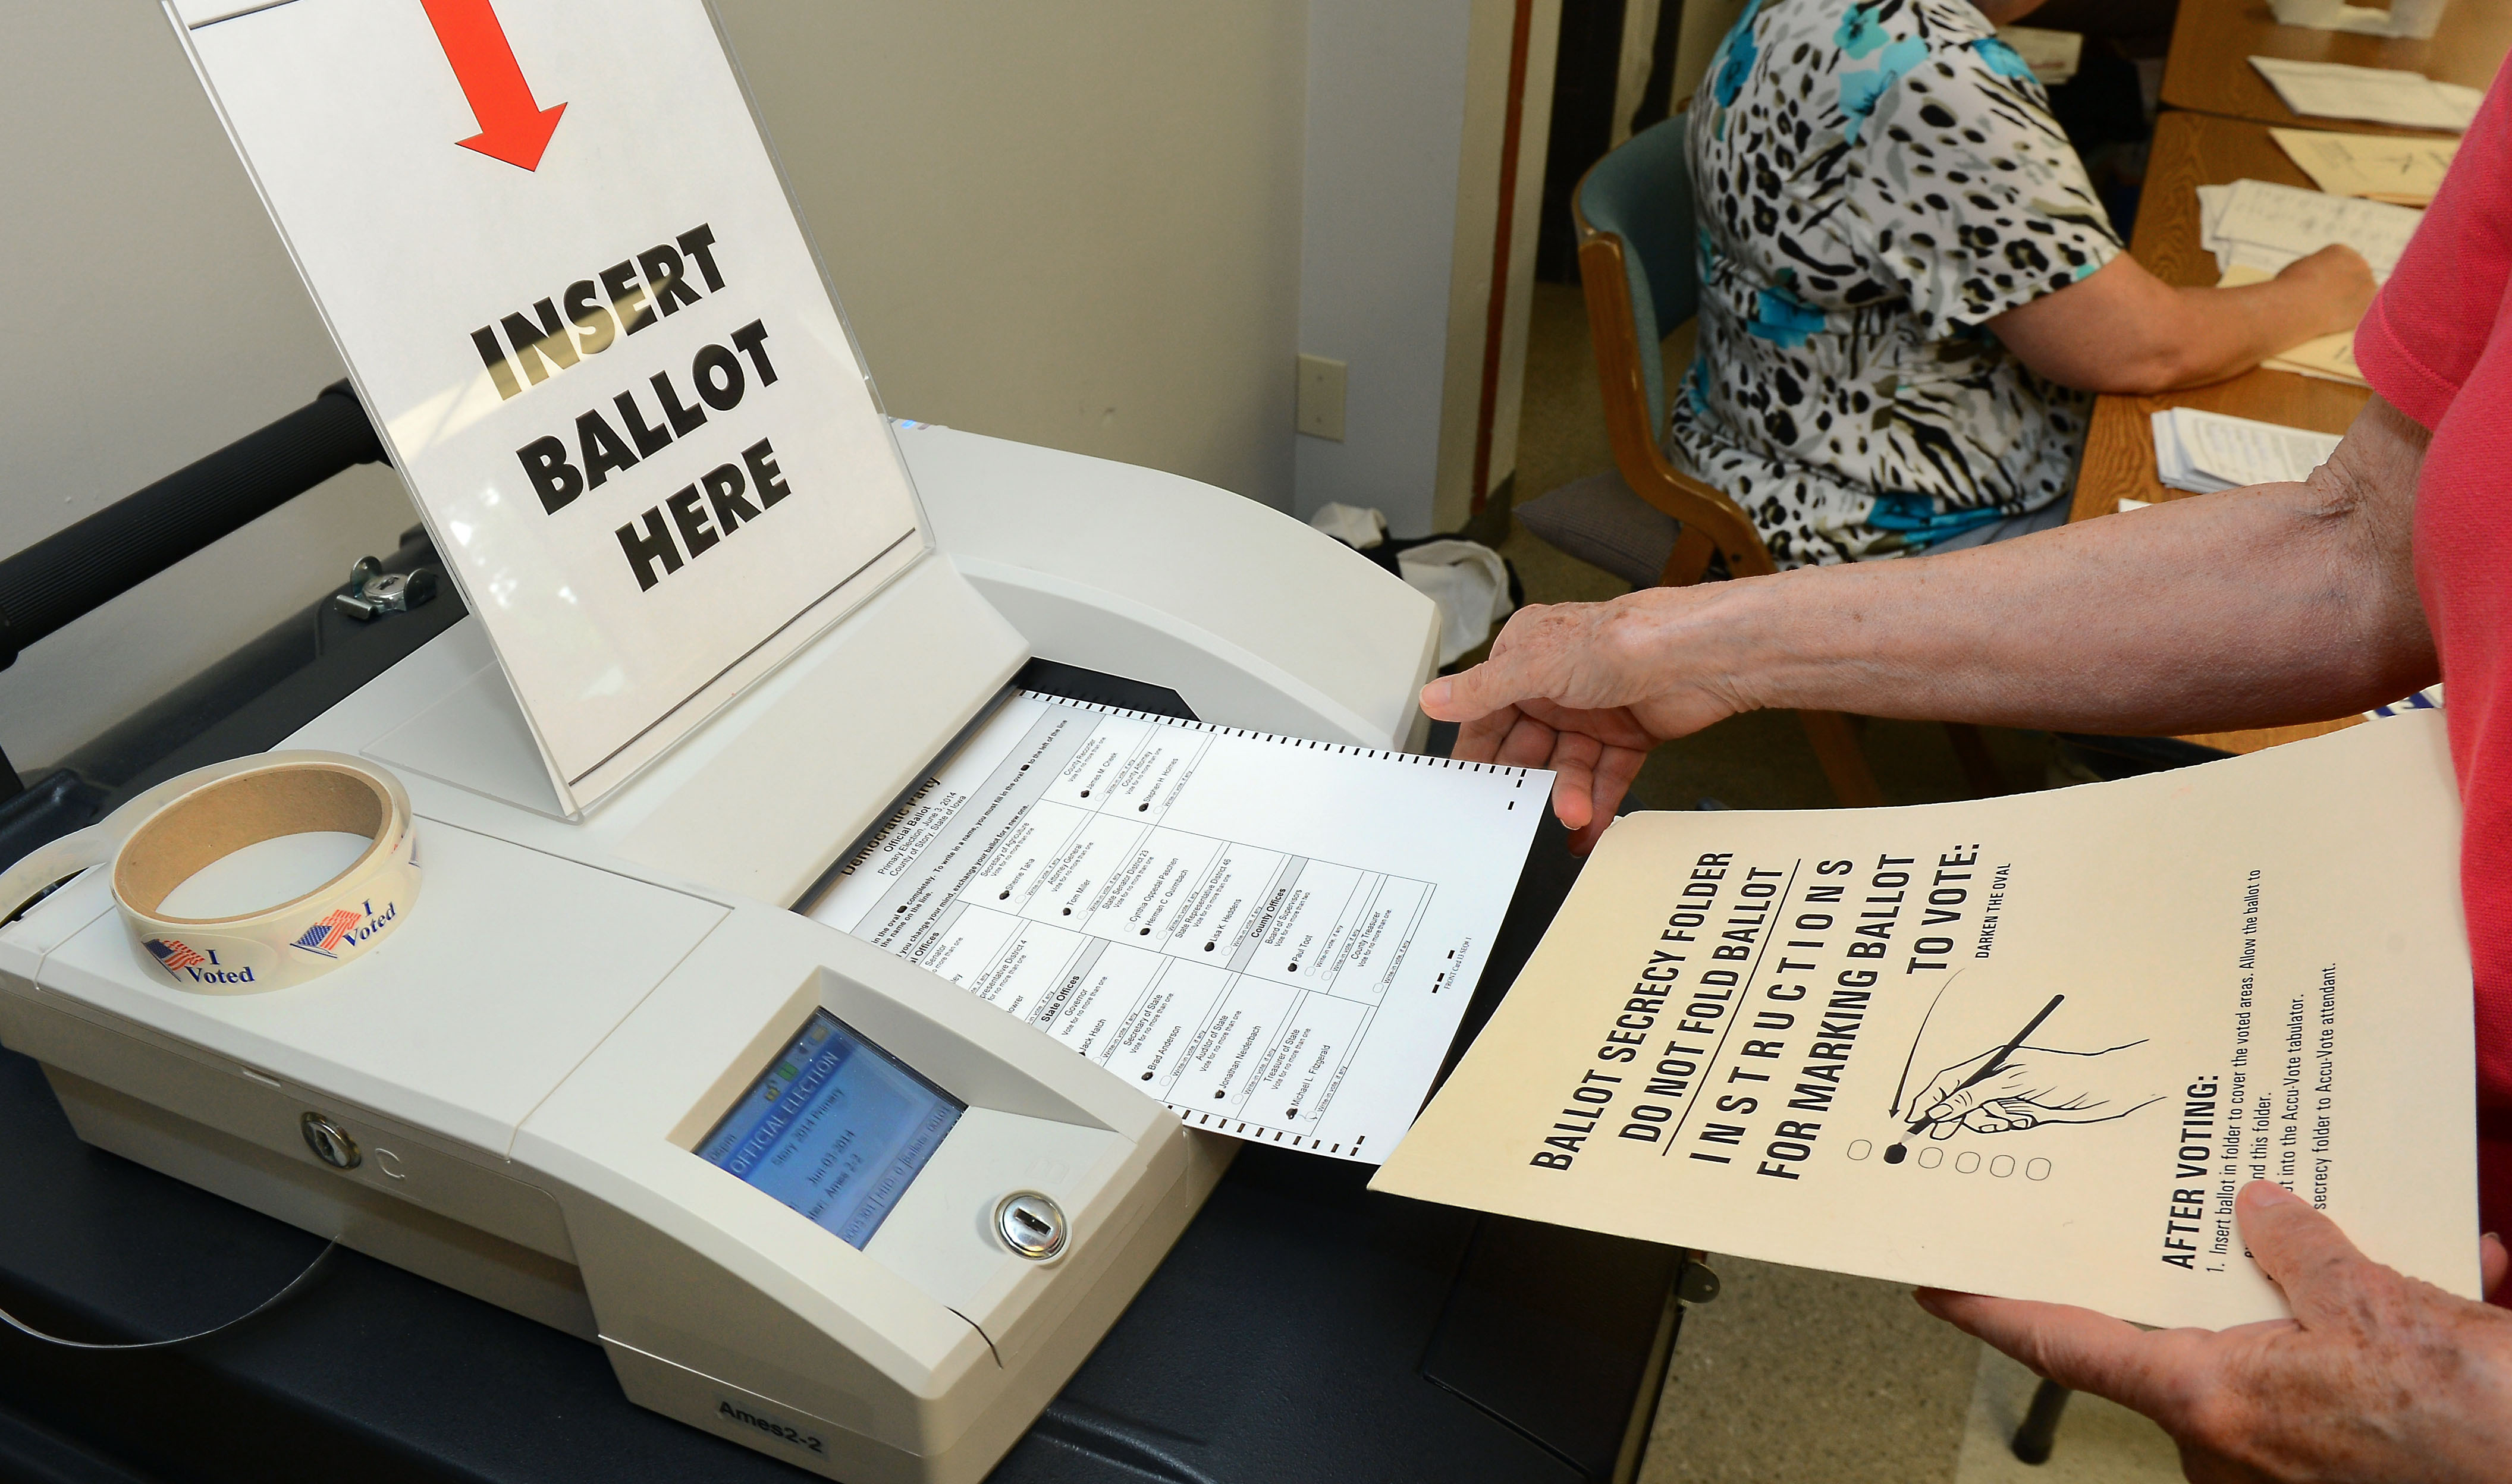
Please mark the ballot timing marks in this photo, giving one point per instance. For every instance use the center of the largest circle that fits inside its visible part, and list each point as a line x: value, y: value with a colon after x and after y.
x: 160, y: 839
x: 592, y: 316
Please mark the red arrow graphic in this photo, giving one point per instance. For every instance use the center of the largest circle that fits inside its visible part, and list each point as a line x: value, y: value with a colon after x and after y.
x: 512, y: 127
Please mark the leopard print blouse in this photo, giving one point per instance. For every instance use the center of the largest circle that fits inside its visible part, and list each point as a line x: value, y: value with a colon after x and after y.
x: 1875, y: 182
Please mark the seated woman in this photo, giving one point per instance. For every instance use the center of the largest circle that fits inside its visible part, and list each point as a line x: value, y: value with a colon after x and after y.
x: 1908, y: 287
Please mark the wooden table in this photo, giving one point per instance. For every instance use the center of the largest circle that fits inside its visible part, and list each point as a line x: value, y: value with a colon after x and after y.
x: 2191, y: 150
x: 2209, y: 68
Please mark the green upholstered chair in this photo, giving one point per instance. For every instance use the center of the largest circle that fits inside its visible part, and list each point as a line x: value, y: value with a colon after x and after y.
x: 1638, y: 264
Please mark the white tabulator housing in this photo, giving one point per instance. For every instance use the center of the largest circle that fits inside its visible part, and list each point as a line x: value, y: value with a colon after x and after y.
x: 806, y: 1196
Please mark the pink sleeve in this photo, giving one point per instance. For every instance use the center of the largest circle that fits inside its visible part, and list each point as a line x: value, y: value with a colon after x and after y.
x: 2431, y: 321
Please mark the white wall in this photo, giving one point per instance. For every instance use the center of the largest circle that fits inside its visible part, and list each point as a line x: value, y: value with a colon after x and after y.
x: 1076, y: 225
x: 1071, y: 223
x: 1640, y: 53
x: 1386, y: 122
x: 1102, y: 225
x: 1705, y: 23
x: 152, y: 316
x: 1471, y: 257
x: 1406, y: 113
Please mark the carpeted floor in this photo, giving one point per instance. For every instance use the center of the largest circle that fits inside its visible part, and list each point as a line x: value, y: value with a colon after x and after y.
x: 1793, y: 1375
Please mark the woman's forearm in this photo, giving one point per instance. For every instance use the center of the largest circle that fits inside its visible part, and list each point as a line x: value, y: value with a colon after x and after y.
x: 2213, y: 334
x: 2254, y: 608
x: 2123, y: 329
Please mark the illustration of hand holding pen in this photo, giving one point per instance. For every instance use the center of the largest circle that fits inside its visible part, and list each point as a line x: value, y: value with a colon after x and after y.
x: 2018, y: 1087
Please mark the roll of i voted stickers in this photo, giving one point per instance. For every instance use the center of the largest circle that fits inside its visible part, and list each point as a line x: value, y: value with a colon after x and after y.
x: 162, y: 838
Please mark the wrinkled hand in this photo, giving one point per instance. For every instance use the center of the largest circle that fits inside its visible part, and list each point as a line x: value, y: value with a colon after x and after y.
x: 1583, y: 688
x: 2340, y: 281
x: 2033, y: 1087
x: 2376, y: 1378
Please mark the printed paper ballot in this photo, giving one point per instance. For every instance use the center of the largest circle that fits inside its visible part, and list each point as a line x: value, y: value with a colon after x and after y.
x: 1277, y: 938
x: 2332, y: 89
x: 2404, y: 171
x: 2028, y: 1046
x: 2203, y: 452
x: 2260, y: 225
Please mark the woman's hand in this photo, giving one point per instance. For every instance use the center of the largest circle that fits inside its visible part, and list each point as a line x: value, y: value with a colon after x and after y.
x: 2376, y: 1378
x: 2123, y: 329
x: 2335, y: 282
x: 1585, y: 689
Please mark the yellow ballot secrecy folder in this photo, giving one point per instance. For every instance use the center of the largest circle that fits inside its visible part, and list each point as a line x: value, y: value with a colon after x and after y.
x: 2029, y: 1046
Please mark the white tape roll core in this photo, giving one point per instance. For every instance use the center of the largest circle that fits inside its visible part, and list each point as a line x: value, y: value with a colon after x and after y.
x: 159, y: 839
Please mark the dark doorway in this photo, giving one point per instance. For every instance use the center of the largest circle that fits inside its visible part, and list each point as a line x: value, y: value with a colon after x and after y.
x: 1585, y: 77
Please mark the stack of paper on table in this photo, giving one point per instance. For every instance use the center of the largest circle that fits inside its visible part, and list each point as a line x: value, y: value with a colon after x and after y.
x: 2392, y: 96
x: 2338, y: 16
x: 2265, y: 225
x: 2203, y: 452
x: 2378, y: 167
x: 2052, y: 55
x: 2029, y: 1046
x: 2257, y: 229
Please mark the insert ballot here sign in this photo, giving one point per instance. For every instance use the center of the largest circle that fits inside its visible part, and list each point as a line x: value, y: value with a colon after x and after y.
x: 550, y: 242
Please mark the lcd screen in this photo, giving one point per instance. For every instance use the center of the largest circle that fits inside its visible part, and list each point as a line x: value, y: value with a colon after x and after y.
x: 836, y: 1128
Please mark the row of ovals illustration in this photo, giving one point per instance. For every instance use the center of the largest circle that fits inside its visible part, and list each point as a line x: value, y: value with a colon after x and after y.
x: 1965, y: 1163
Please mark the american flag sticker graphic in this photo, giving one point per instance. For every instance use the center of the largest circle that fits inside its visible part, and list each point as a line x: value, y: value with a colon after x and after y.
x: 325, y: 935
x: 177, y: 957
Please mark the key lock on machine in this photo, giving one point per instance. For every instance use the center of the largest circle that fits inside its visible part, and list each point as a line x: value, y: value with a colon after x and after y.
x: 1030, y: 1225
x: 330, y: 1143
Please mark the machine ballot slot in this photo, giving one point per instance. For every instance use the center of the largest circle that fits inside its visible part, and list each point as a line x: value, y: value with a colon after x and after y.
x: 835, y: 1128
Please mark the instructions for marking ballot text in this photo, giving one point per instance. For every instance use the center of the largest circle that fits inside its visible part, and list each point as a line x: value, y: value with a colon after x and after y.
x: 2029, y: 1046
x: 1274, y: 937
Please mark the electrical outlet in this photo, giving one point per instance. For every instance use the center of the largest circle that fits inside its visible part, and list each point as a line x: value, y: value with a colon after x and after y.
x: 1321, y: 410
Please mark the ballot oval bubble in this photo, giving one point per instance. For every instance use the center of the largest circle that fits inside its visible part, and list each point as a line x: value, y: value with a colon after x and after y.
x: 2038, y: 1169
x: 1931, y: 1157
x: 2002, y: 1167
x: 1860, y: 1148
x: 1966, y: 1161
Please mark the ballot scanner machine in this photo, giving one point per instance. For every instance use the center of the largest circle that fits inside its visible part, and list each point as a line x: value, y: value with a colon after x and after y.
x: 511, y: 1094
x: 1303, y: 1329
x: 566, y: 1078
x: 592, y: 1068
